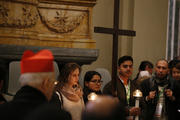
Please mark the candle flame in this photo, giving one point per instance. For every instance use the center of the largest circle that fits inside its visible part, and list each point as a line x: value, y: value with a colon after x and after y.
x: 137, y: 93
x: 56, y: 82
x: 92, y: 96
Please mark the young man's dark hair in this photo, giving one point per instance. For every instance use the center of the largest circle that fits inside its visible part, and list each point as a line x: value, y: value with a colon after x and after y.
x: 172, y: 64
x: 143, y: 65
x: 124, y: 58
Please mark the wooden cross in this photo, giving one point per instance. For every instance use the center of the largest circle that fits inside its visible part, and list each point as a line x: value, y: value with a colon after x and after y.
x: 115, y: 31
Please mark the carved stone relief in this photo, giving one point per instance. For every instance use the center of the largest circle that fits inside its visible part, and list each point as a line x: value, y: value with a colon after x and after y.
x: 17, y: 15
x: 59, y: 23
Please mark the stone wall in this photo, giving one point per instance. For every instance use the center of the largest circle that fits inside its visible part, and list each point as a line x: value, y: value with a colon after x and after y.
x: 55, y: 23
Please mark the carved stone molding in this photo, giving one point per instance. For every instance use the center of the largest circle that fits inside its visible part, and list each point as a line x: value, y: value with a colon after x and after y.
x: 53, y: 23
x: 17, y: 15
x: 62, y: 21
x: 63, y: 26
x: 35, y: 2
x: 71, y: 2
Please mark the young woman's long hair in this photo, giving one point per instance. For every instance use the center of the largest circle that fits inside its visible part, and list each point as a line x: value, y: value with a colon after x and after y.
x: 64, y: 73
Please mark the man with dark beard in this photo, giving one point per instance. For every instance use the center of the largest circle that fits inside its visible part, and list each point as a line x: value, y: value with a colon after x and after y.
x: 157, y: 93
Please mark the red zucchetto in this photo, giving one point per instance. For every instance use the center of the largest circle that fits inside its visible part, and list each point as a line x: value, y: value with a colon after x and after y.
x: 41, y: 61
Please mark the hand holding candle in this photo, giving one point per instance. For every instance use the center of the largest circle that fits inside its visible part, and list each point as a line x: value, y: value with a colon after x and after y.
x: 137, y: 94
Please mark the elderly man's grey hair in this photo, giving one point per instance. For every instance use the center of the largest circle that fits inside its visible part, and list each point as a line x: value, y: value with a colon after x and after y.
x: 35, y: 79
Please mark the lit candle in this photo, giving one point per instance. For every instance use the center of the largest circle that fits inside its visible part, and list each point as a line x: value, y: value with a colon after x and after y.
x: 137, y: 93
x: 92, y: 96
x: 56, y: 82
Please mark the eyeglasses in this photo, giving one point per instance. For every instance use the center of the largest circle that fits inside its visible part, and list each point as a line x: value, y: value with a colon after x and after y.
x: 96, y: 81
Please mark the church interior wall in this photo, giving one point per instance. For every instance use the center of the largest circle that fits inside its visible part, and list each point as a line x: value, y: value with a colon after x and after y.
x: 150, y: 23
x: 102, y: 17
x: 148, y: 18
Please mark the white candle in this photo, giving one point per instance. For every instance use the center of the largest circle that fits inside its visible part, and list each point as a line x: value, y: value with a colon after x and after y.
x: 137, y: 102
x: 137, y: 94
x: 137, y: 105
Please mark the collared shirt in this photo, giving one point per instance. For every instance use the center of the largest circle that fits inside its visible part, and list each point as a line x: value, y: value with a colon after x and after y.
x: 127, y: 88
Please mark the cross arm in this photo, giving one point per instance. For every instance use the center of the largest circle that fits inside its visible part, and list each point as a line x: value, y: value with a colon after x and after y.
x: 103, y: 30
x: 127, y: 32
x: 113, y: 31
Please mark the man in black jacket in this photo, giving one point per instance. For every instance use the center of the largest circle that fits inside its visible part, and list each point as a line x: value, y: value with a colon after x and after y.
x: 158, y: 94
x: 37, y: 81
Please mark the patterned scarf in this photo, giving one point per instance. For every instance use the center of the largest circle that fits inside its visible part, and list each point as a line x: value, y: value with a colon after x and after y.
x: 72, y: 93
x: 160, y: 107
x: 162, y: 82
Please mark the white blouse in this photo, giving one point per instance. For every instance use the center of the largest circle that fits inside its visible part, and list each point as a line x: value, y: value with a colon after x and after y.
x: 74, y: 108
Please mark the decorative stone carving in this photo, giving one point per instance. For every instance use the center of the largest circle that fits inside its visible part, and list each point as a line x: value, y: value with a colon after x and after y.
x: 62, y: 21
x: 54, y: 23
x: 17, y: 15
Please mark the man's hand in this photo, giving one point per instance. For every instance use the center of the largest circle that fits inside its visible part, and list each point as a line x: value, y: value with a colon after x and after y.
x: 134, y: 111
x: 151, y: 95
x: 169, y: 93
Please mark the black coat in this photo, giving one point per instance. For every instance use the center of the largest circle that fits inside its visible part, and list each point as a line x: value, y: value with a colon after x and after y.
x: 2, y: 99
x: 176, y: 93
x: 121, y: 92
x: 150, y: 85
x: 87, y: 91
x: 24, y: 102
